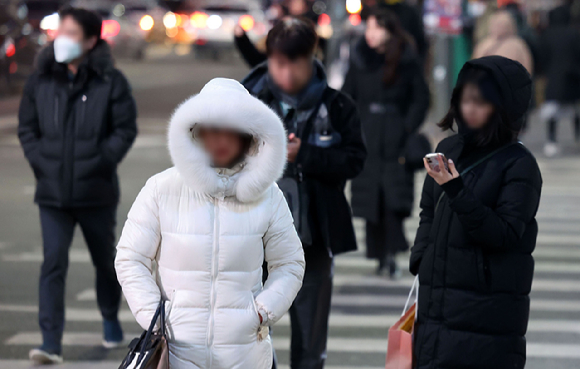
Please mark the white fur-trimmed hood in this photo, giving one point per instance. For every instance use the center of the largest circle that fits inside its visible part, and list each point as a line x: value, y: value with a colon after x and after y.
x: 225, y: 103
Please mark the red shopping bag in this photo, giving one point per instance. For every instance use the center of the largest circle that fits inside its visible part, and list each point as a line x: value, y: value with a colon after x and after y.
x: 400, y: 344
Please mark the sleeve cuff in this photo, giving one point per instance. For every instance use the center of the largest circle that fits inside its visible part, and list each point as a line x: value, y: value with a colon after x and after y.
x: 264, y: 316
x: 453, y: 187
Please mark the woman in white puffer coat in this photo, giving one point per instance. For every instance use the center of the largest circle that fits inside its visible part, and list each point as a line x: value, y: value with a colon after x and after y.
x: 208, y: 229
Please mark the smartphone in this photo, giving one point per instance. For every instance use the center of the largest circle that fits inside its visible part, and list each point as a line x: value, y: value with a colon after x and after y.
x: 434, y: 162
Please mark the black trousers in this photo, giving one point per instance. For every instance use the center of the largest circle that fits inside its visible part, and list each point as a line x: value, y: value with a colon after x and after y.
x: 310, y: 310
x: 98, y: 227
x: 387, y: 237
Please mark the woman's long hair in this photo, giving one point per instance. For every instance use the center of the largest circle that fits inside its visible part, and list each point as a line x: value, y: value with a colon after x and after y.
x: 496, y: 132
x: 395, y: 46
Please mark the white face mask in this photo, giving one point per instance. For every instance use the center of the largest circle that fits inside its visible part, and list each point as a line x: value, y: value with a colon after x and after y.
x: 66, y: 49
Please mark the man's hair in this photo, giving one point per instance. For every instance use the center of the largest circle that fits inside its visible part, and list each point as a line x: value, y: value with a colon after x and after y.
x: 90, y: 21
x: 293, y: 37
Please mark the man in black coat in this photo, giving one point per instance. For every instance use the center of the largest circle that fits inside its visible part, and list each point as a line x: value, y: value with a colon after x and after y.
x: 473, y: 249
x: 77, y: 120
x: 325, y: 149
x: 560, y: 50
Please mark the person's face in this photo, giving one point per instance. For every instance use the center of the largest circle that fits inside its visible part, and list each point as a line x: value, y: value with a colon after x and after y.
x: 297, y: 7
x: 291, y: 76
x: 70, y: 28
x: 375, y: 35
x: 475, y: 110
x: 223, y: 146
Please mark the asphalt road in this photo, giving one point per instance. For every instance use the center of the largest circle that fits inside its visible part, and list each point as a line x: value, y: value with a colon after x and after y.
x: 364, y: 306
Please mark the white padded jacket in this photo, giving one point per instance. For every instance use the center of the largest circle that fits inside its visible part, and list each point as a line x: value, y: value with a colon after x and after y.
x: 197, y: 236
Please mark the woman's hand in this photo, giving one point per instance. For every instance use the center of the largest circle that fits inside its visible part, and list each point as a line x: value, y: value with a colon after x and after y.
x: 442, y: 176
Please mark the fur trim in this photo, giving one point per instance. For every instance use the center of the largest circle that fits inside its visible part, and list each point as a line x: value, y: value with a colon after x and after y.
x: 226, y: 103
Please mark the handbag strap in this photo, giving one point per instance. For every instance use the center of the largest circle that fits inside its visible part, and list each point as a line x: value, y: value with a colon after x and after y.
x: 414, y: 288
x: 160, y: 312
x: 480, y: 161
x: 488, y: 156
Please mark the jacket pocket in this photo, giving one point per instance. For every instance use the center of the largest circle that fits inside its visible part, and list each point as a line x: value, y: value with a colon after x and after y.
x: 168, y: 315
x: 257, y: 315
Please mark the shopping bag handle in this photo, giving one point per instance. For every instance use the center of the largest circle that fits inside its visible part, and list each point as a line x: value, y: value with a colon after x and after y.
x: 414, y: 288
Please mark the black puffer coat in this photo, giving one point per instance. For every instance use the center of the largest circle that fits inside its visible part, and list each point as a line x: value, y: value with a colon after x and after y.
x: 473, y: 249
x: 74, y: 133
x: 389, y: 113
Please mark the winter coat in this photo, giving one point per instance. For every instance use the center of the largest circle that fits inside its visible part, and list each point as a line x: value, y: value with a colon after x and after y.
x: 333, y: 152
x: 473, y: 250
x: 208, y: 231
x: 74, y: 134
x: 503, y: 40
x: 389, y: 113
x: 560, y: 50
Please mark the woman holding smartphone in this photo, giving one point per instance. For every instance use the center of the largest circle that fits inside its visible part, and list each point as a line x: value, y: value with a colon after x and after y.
x: 199, y: 232
x: 473, y: 250
x: 386, y: 81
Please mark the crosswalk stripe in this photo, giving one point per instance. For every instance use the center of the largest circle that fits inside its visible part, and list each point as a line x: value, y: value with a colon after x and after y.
x: 539, y: 285
x: 25, y: 364
x: 335, y: 344
x: 540, y: 266
x: 337, y: 320
x: 81, y: 256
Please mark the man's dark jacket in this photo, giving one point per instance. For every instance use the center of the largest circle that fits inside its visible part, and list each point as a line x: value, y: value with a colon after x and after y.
x: 75, y: 130
x: 473, y: 250
x: 325, y: 169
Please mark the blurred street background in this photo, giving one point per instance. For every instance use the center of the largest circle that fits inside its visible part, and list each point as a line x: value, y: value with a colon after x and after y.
x: 170, y: 63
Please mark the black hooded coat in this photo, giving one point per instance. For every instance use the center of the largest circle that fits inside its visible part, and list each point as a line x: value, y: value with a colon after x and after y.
x: 473, y: 250
x: 74, y: 131
x: 389, y: 114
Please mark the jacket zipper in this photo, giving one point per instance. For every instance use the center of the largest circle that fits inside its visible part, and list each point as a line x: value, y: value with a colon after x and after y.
x: 82, y: 118
x: 214, y: 273
x: 56, y: 113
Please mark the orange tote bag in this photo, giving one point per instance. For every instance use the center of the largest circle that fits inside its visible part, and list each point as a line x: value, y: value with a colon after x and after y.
x: 400, y: 344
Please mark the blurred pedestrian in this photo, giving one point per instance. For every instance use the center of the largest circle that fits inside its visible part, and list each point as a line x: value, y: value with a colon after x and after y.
x: 255, y: 53
x: 481, y: 28
x: 473, y: 250
x: 385, y: 79
x: 412, y: 21
x: 325, y: 149
x: 525, y: 31
x: 560, y: 45
x: 77, y: 120
x: 209, y: 223
x: 503, y: 40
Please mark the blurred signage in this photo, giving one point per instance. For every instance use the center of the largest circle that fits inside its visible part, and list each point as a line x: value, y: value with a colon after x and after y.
x: 443, y: 16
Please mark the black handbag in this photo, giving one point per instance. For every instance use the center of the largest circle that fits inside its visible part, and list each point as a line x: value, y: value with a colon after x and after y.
x: 416, y: 147
x: 150, y: 351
